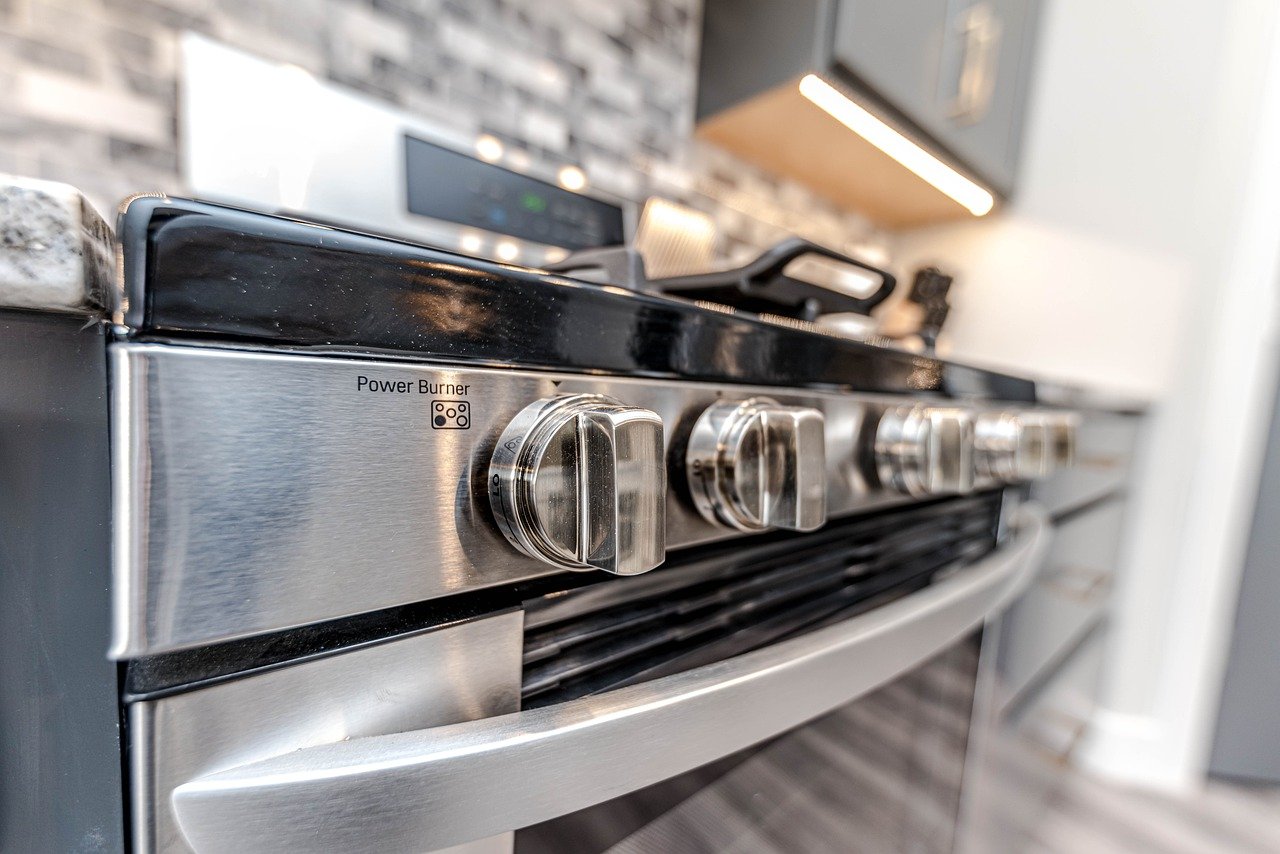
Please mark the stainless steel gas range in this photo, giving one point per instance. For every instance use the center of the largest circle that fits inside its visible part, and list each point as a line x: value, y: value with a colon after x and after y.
x: 334, y: 542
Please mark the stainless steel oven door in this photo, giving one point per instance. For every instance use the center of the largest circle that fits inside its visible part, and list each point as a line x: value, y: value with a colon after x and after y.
x: 881, y: 774
x: 438, y: 786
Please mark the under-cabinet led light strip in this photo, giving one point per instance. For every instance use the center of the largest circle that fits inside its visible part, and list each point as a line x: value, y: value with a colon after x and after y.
x: 835, y: 103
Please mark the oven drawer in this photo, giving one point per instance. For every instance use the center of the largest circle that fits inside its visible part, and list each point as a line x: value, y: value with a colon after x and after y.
x: 442, y: 785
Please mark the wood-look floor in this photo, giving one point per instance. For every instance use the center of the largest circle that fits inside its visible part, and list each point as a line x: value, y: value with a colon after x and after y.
x: 1089, y: 816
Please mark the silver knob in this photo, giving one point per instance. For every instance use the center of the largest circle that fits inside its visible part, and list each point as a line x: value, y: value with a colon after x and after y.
x: 756, y: 464
x: 925, y: 450
x: 580, y: 482
x: 1017, y: 445
x: 1011, y: 446
x: 1062, y: 428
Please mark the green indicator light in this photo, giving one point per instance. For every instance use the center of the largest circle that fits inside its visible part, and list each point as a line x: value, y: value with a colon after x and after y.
x: 533, y: 203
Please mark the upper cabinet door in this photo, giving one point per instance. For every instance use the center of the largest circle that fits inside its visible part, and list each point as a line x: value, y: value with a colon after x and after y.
x: 896, y: 49
x: 986, y: 69
x: 953, y: 74
x: 956, y: 68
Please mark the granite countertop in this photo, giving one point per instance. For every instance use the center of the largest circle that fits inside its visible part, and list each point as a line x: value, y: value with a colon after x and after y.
x: 56, y: 252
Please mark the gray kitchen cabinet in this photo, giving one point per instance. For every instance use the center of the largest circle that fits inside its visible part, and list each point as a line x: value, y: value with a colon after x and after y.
x: 951, y: 74
x: 895, y: 50
x: 1246, y: 745
x: 958, y: 69
x: 990, y: 41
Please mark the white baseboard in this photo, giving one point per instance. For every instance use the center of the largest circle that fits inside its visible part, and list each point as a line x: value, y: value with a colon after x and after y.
x: 1134, y: 750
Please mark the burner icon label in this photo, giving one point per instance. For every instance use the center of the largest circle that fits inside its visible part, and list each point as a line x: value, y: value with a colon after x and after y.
x: 450, y: 414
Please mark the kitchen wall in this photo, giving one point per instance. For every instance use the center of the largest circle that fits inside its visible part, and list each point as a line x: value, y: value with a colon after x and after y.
x: 1141, y: 255
x: 91, y: 93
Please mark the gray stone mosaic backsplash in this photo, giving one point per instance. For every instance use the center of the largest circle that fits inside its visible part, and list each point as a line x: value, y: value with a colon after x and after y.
x: 89, y: 93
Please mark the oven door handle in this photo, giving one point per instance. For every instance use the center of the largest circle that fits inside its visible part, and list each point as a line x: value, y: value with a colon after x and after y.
x: 446, y: 785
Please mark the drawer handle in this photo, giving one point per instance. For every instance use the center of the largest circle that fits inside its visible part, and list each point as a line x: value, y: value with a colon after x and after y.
x: 981, y: 29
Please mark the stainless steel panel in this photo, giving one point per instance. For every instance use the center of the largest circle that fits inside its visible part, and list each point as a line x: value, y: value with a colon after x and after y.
x: 459, y: 673
x: 448, y: 784
x: 258, y: 491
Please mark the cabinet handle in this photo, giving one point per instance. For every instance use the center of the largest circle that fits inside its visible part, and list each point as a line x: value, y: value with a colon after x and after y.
x: 981, y: 28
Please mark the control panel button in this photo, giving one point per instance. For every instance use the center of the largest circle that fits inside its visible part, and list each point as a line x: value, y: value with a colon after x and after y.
x: 756, y: 464
x: 921, y: 449
x: 579, y: 482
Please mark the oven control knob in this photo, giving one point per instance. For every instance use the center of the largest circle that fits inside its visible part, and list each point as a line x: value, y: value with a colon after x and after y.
x: 756, y: 464
x: 925, y: 450
x: 1018, y: 445
x: 1007, y: 449
x: 1060, y: 429
x: 579, y: 481
x: 1011, y: 446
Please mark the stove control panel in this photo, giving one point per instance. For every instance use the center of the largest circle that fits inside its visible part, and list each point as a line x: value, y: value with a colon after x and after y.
x: 430, y: 481
x: 579, y: 482
x: 755, y: 464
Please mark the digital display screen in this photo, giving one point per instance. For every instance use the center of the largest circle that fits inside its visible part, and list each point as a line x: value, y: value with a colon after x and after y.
x: 458, y: 188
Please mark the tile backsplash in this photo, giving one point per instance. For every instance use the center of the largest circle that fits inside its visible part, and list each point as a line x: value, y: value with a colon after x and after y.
x: 92, y: 93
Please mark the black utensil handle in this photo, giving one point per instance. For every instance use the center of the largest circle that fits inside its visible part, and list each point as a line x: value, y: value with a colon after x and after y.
x: 757, y: 276
x: 770, y: 264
